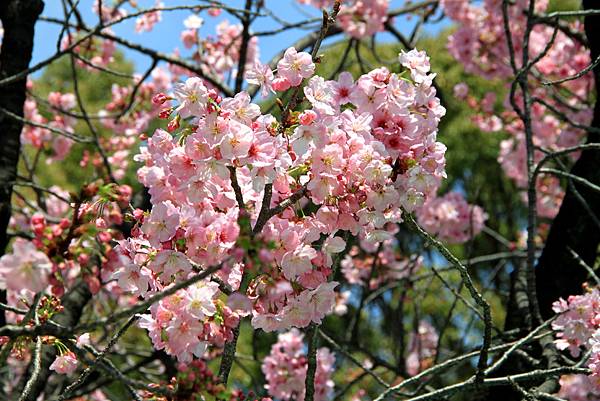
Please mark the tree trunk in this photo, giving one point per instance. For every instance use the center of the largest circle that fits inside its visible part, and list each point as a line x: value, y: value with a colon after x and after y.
x: 18, y: 20
x: 558, y: 273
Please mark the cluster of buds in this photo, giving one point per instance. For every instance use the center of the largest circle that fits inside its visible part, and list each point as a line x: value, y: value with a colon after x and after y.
x: 48, y: 307
x: 197, y: 378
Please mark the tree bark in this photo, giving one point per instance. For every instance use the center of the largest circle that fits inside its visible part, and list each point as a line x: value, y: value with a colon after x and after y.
x: 18, y: 20
x: 558, y: 274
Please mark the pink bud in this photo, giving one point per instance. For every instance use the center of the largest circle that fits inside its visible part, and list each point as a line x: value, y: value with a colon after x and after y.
x: 93, y: 283
x: 214, y: 95
x: 57, y: 231
x: 307, y: 117
x: 281, y: 84
x: 173, y: 124
x: 214, y: 12
x: 125, y: 192
x: 104, y: 236
x: 160, y: 98
x: 165, y: 113
x: 38, y: 219
x: 58, y: 290
x: 138, y: 214
x: 83, y: 258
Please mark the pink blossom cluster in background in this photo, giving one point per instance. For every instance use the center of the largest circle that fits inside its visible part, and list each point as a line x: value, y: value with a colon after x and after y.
x: 358, y: 18
x: 216, y: 54
x: 146, y: 21
x: 578, y: 388
x: 285, y: 369
x: 130, y: 119
x: 92, y: 53
x: 451, y: 218
x: 578, y: 329
x: 40, y: 137
x: 388, y: 265
x: 28, y: 269
x: 480, y: 44
x: 422, y: 348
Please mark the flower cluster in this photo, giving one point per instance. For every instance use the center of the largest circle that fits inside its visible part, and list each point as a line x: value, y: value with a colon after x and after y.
x: 451, y: 218
x: 285, y: 369
x: 219, y: 54
x: 42, y: 138
x: 347, y: 163
x: 480, y: 44
x: 64, y: 247
x: 358, y: 18
x: 92, y: 53
x: 185, y: 323
x: 378, y: 267
x: 131, y: 119
x: 578, y: 327
x: 146, y: 21
x: 422, y: 348
x: 578, y: 388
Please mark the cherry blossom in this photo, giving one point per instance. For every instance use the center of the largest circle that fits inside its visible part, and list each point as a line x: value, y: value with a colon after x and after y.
x: 25, y: 268
x: 65, y: 363
x: 451, y: 218
x: 285, y: 369
x: 295, y: 66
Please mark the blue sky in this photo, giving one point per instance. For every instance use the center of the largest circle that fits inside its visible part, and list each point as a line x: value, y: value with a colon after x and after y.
x: 165, y: 36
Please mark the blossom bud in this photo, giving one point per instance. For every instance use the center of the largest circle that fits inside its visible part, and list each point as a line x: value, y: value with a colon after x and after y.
x: 125, y: 192
x: 58, y: 290
x: 57, y: 231
x: 281, y: 84
x: 214, y: 12
x: 93, y: 284
x: 83, y: 259
x: 64, y: 223
x: 90, y: 190
x: 173, y: 124
x: 165, y: 113
x: 104, y: 236
x: 38, y: 219
x: 307, y: 117
x: 214, y: 95
x: 160, y: 98
x: 138, y: 214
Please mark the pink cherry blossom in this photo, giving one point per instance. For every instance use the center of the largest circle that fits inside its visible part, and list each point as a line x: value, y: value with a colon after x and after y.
x: 192, y: 96
x: 285, y: 369
x: 297, y: 262
x: 24, y: 268
x: 261, y: 75
x: 162, y: 222
x: 451, y: 218
x: 295, y: 66
x: 65, y: 363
